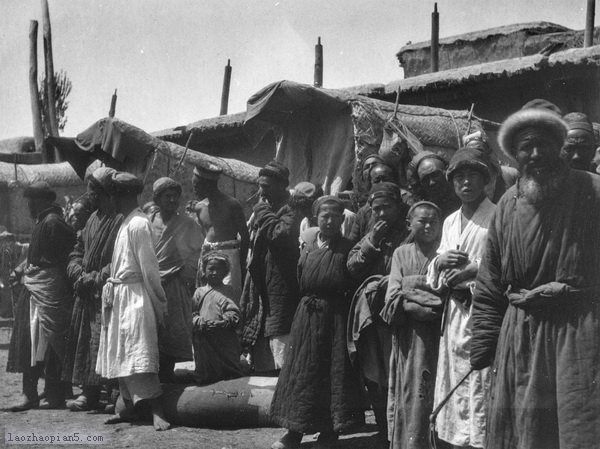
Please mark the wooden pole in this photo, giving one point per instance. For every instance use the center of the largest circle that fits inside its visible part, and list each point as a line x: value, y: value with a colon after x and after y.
x: 588, y: 39
x: 226, y: 85
x: 38, y: 133
x: 435, y: 39
x: 113, y: 105
x: 50, y: 83
x: 319, y: 64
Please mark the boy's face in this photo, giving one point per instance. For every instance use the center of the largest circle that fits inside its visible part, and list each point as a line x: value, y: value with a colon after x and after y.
x: 469, y: 185
x: 386, y: 209
x: 215, y: 272
x: 425, y: 224
x: 329, y: 220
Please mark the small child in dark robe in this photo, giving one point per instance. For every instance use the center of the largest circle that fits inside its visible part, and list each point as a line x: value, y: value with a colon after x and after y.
x: 215, y: 315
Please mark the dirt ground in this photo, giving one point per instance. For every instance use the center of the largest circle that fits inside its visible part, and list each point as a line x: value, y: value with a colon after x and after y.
x: 64, y: 422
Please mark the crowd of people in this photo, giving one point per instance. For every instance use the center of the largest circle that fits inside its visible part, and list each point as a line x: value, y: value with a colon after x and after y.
x: 460, y: 307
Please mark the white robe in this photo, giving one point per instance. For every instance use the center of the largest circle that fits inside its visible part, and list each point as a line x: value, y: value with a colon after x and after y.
x: 129, y: 337
x: 461, y: 422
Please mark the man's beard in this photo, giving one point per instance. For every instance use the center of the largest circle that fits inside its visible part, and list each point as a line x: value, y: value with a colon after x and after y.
x: 538, y: 190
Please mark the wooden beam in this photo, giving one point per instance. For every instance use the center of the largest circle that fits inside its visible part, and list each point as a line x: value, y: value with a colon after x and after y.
x: 38, y: 133
x: 50, y: 83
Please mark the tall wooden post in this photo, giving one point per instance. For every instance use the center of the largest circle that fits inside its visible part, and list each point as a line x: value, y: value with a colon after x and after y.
x: 50, y: 83
x: 318, y: 64
x: 588, y: 39
x: 226, y: 86
x: 435, y: 39
x: 38, y: 133
x: 113, y: 105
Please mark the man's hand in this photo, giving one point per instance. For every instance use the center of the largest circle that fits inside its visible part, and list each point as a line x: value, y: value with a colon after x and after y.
x: 452, y: 259
x: 380, y: 230
x: 455, y: 276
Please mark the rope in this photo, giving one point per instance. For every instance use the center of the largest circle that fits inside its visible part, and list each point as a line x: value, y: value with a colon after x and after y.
x: 436, y: 411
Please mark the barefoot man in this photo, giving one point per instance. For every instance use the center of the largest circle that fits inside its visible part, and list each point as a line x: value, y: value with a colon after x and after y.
x: 134, y: 305
x: 222, y: 218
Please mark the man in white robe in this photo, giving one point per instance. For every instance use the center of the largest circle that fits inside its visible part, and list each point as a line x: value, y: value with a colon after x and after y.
x: 133, y: 307
x: 461, y: 422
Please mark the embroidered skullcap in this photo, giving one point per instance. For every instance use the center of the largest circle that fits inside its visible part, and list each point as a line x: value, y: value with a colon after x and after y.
x: 578, y: 121
x: 471, y: 158
x: 385, y: 190
x: 543, y: 117
x: 208, y: 171
x: 276, y: 170
x: 418, y: 204
x: 100, y: 177
x: 40, y: 190
x: 123, y: 183
x: 162, y: 184
x: 327, y: 199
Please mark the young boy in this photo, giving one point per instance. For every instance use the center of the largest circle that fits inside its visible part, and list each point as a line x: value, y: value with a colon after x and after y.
x: 461, y: 421
x: 217, y: 348
x: 414, y: 312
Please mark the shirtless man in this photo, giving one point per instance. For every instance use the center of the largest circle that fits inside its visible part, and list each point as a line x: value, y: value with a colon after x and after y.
x: 222, y: 219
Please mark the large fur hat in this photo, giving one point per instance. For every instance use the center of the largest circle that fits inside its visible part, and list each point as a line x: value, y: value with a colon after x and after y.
x: 540, y: 117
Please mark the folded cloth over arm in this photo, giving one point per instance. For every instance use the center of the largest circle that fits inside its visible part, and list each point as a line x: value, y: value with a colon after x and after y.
x: 416, y: 299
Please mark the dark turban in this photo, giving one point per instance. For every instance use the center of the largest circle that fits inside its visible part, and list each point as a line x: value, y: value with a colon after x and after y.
x: 385, y: 190
x: 123, y: 183
x: 100, y: 177
x: 40, y: 190
x: 276, y: 170
x: 163, y: 184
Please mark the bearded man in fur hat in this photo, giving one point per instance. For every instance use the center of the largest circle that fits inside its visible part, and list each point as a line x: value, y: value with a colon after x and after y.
x: 536, y: 308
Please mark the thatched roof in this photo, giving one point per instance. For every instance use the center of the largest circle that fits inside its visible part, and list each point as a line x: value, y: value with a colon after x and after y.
x: 531, y: 28
x: 211, y: 127
x: 577, y: 57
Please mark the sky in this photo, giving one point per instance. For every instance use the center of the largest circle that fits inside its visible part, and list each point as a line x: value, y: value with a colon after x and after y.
x: 167, y: 58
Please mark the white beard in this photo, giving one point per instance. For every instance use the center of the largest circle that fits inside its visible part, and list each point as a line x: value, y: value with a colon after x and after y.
x: 537, y: 192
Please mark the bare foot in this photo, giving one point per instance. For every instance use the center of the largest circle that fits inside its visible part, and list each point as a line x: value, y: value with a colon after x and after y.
x: 126, y: 415
x: 116, y: 419
x: 158, y: 416
x: 160, y: 423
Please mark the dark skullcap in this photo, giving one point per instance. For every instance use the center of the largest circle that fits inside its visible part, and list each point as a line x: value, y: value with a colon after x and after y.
x: 418, y: 204
x: 385, y: 190
x: 100, y: 177
x: 162, y: 184
x: 215, y: 255
x: 544, y: 117
x: 420, y: 157
x: 471, y: 158
x: 40, y: 190
x: 327, y: 199
x: 276, y: 170
x: 208, y: 171
x: 123, y: 183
